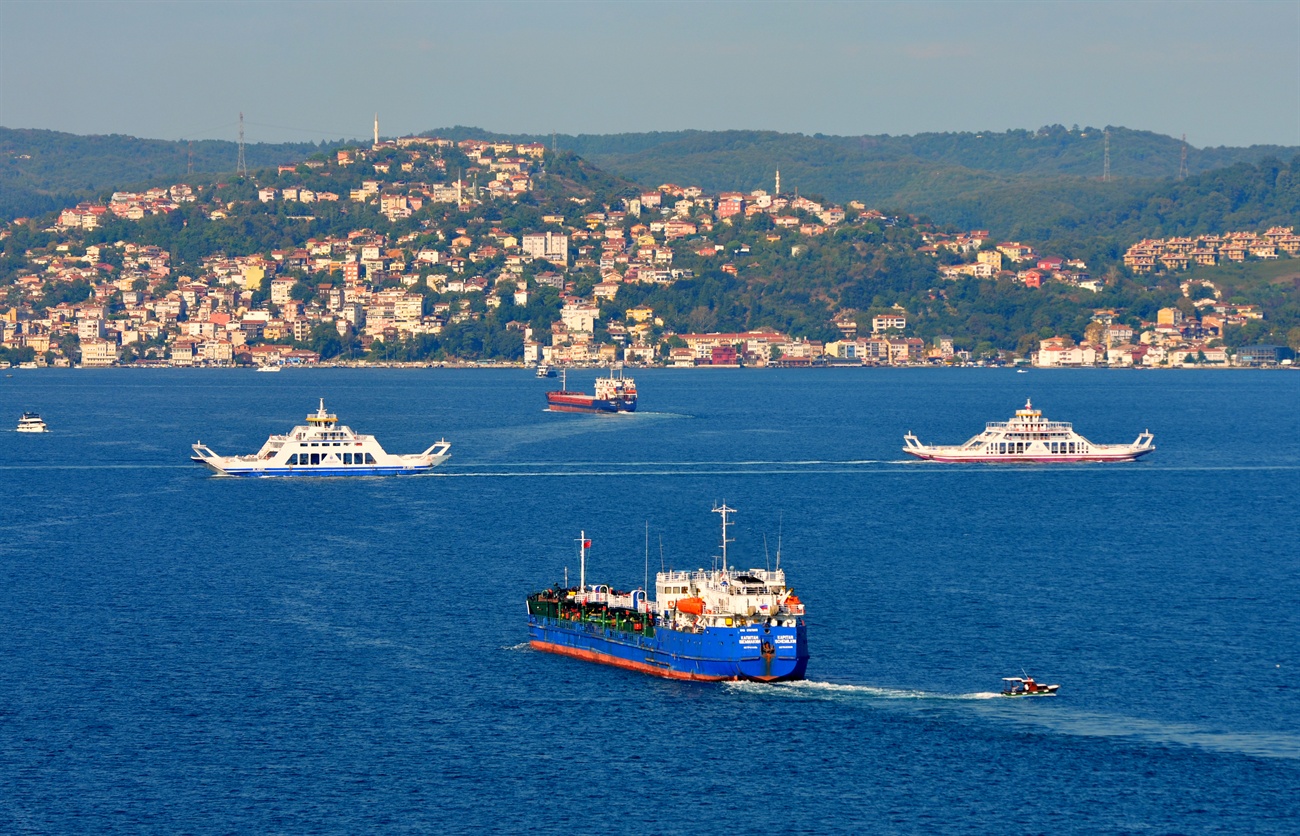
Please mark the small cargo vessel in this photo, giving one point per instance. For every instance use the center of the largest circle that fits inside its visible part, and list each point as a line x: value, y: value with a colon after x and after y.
x: 1029, y: 437
x: 613, y: 394
x: 30, y: 422
x: 1016, y: 686
x: 323, y: 447
x: 718, y: 624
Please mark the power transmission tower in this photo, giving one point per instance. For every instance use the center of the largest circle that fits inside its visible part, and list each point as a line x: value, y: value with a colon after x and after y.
x: 1105, y: 160
x: 241, y: 168
x: 1182, y: 164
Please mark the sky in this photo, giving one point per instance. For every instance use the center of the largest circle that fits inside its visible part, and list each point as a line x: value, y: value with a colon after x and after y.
x: 1223, y: 73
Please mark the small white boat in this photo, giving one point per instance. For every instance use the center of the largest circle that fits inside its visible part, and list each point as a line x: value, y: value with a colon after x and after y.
x: 323, y: 447
x: 268, y: 368
x: 544, y: 370
x: 1016, y: 686
x: 1028, y: 438
x: 31, y: 423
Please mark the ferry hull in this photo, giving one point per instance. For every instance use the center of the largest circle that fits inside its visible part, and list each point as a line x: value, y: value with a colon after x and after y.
x: 716, y: 655
x: 1028, y: 458
x: 246, y: 471
x: 323, y: 471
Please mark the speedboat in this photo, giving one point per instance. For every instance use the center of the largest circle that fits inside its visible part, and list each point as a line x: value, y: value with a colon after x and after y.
x: 31, y: 423
x: 323, y: 447
x: 1016, y: 686
x: 268, y: 368
x: 1027, y: 438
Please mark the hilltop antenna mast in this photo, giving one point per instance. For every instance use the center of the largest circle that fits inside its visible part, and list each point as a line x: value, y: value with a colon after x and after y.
x: 189, y: 163
x: 1105, y: 160
x: 376, y: 130
x: 241, y: 167
x: 1182, y: 163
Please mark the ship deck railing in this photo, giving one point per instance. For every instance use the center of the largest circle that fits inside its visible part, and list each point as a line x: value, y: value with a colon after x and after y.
x: 1046, y: 425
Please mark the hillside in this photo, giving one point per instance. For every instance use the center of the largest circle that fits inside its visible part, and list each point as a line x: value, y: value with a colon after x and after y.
x: 45, y: 170
x: 430, y: 237
x: 1040, y: 186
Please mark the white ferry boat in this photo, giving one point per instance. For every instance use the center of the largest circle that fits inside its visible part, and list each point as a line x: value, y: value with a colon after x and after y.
x: 323, y: 447
x: 30, y: 422
x: 1028, y: 437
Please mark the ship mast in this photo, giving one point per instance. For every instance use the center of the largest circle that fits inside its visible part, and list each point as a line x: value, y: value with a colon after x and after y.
x: 724, y: 510
x: 582, y: 561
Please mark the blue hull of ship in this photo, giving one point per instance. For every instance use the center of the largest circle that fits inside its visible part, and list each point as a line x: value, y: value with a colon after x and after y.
x: 718, y: 653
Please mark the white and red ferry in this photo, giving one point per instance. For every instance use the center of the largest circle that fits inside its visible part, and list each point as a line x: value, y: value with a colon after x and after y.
x: 1028, y: 437
x: 613, y: 394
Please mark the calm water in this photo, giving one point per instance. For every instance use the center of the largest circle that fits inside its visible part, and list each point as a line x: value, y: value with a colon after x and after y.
x: 184, y: 653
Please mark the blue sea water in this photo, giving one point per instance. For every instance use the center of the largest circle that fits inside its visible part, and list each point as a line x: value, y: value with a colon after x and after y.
x: 181, y: 653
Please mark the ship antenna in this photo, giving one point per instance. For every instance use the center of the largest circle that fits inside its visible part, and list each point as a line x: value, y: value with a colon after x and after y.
x: 780, y: 528
x: 647, y: 556
x: 767, y: 561
x: 662, y: 565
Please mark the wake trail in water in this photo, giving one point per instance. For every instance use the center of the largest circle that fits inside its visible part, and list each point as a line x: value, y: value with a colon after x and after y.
x: 546, y: 474
x: 751, y: 463
x: 1055, y: 715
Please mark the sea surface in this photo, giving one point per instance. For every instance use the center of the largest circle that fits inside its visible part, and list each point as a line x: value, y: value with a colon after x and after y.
x: 184, y: 653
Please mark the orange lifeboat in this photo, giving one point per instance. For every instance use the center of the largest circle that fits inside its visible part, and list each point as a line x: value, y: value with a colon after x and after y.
x: 693, y: 606
x: 793, y: 601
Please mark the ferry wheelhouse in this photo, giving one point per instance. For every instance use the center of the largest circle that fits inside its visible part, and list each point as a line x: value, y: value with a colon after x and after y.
x: 1029, y: 437
x: 323, y: 447
x: 722, y: 623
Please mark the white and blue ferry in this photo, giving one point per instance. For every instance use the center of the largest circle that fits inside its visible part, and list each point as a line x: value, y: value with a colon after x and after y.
x: 718, y: 624
x: 323, y: 447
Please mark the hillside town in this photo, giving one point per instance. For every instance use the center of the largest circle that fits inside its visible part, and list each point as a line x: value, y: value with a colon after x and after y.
x: 553, y: 281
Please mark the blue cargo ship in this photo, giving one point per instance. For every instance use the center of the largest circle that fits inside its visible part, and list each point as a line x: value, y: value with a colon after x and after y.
x: 718, y: 624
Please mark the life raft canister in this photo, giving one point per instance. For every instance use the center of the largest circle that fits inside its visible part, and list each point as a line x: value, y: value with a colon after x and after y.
x: 693, y: 606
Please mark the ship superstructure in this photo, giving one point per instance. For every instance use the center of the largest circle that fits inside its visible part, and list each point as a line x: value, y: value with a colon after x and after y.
x: 30, y: 422
x: 1029, y: 437
x: 722, y: 623
x: 613, y: 394
x: 323, y: 447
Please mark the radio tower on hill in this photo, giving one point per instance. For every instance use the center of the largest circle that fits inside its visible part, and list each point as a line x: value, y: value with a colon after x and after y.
x: 1182, y: 163
x: 1105, y: 160
x: 241, y: 167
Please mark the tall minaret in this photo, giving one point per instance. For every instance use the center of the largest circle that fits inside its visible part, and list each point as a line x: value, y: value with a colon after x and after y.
x: 778, y: 182
x: 376, y: 129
